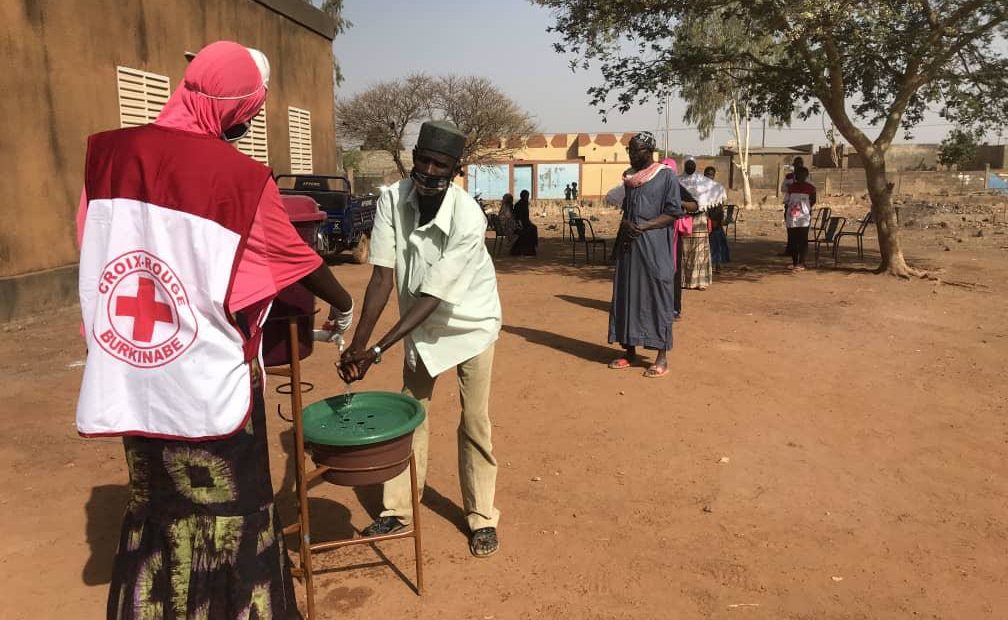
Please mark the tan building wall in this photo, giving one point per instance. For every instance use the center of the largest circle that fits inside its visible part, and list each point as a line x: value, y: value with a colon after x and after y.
x: 602, y: 158
x: 903, y: 157
x: 59, y: 86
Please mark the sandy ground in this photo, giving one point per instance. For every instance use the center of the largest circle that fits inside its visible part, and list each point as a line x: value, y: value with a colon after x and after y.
x: 833, y: 446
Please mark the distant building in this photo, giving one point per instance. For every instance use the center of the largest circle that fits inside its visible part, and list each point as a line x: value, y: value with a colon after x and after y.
x: 993, y: 155
x: 77, y: 67
x: 902, y: 157
x: 547, y: 163
x: 766, y: 161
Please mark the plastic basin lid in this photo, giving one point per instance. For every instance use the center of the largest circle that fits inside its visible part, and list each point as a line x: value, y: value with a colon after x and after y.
x: 361, y: 419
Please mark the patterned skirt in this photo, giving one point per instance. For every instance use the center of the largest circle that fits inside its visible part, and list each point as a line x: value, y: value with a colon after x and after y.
x: 200, y: 538
x: 696, y: 263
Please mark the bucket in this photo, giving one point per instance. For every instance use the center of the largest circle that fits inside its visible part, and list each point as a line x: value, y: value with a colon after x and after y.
x: 363, y: 438
x: 295, y: 300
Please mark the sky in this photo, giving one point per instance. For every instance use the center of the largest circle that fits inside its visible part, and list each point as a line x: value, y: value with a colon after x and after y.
x: 506, y: 41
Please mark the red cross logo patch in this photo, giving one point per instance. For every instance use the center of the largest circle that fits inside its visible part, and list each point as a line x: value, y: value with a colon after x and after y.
x: 148, y: 321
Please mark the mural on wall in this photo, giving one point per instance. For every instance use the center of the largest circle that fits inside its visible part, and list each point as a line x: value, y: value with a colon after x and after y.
x: 490, y: 181
x: 551, y: 179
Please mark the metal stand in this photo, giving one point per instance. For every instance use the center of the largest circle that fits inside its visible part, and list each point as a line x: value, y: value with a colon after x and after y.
x: 303, y: 478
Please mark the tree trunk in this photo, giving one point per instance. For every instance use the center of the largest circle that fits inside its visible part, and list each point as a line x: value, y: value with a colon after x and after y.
x: 399, y: 163
x: 742, y: 144
x: 884, y: 215
x: 746, y: 190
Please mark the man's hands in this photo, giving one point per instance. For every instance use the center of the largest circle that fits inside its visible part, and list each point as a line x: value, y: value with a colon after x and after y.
x: 354, y: 363
x: 628, y: 233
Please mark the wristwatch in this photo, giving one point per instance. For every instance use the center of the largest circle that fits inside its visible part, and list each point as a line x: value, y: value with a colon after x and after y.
x: 377, y: 354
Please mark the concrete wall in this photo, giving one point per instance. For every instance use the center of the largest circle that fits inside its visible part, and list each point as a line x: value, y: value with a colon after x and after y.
x: 59, y: 86
x: 996, y: 156
x: 903, y: 157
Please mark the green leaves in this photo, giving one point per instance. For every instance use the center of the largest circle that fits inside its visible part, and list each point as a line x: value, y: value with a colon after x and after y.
x: 883, y: 62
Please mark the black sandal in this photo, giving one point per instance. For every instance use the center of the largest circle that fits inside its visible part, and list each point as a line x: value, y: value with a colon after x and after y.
x: 483, y: 542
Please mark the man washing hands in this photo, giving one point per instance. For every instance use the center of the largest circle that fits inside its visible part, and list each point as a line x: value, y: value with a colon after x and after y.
x: 428, y: 239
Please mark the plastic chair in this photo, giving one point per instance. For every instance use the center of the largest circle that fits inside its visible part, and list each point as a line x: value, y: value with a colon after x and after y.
x: 498, y: 240
x: 569, y: 213
x: 582, y: 231
x: 732, y: 215
x: 820, y: 217
x: 859, y: 234
x: 834, y: 227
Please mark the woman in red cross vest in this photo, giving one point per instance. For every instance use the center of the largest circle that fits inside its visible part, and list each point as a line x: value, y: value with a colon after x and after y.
x: 184, y: 245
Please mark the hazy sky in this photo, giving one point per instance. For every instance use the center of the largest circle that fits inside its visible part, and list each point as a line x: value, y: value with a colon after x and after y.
x: 506, y: 41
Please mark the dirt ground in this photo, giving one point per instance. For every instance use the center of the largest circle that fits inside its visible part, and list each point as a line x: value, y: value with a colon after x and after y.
x: 834, y: 445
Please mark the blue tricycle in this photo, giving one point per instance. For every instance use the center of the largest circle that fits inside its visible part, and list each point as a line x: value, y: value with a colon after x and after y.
x: 348, y: 220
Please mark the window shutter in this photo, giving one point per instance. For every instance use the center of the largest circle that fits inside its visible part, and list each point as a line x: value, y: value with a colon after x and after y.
x: 255, y: 144
x: 299, y: 125
x: 141, y: 96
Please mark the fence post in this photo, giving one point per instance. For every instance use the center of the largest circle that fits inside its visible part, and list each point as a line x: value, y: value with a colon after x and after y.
x: 827, y: 185
x: 987, y: 176
x: 780, y: 178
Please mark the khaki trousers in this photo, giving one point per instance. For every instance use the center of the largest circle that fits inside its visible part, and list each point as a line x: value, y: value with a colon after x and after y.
x: 477, y: 465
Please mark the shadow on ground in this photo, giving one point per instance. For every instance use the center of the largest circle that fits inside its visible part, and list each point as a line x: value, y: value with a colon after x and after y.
x: 753, y: 258
x: 588, y: 351
x: 104, y: 511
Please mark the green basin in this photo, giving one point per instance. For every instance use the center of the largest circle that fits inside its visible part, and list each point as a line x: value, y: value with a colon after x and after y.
x: 369, y: 418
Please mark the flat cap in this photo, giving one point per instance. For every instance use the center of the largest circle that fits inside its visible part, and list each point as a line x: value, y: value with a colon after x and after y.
x: 442, y: 137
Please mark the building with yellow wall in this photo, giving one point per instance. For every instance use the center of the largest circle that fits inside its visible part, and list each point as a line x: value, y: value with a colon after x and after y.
x: 548, y: 163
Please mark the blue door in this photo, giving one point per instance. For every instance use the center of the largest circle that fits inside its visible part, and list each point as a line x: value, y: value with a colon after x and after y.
x: 522, y: 180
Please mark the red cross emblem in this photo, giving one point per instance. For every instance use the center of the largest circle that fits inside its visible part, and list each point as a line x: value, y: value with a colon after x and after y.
x: 145, y: 309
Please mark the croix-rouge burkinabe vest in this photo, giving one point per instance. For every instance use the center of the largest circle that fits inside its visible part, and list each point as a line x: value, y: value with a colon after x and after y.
x: 168, y: 216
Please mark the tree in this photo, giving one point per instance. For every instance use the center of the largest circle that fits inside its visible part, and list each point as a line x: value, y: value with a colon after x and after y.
x: 882, y: 63
x: 381, y: 116
x: 724, y: 91
x: 334, y: 9
x: 958, y: 148
x: 492, y: 122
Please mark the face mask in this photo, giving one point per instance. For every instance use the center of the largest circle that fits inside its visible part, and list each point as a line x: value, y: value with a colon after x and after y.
x: 428, y: 184
x: 236, y: 133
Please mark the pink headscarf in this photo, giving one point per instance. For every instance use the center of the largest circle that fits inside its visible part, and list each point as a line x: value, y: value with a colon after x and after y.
x: 224, y: 85
x: 671, y: 164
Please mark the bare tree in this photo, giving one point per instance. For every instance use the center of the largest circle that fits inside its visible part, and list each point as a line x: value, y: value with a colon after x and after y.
x: 494, y: 124
x: 382, y: 114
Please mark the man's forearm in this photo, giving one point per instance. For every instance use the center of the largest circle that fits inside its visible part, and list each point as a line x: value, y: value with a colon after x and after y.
x: 662, y: 221
x: 324, y: 285
x: 375, y: 299
x: 423, y: 308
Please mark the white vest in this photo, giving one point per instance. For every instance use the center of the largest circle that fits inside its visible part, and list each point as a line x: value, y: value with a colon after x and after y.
x: 168, y: 214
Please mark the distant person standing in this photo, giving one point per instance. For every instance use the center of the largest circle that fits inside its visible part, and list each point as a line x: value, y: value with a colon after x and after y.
x: 696, y: 264
x: 641, y: 313
x: 718, y: 238
x: 567, y: 192
x: 574, y: 191
x: 799, y: 200
x: 789, y: 178
x: 683, y: 227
